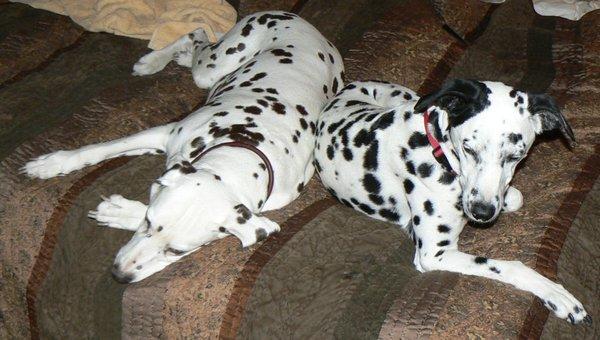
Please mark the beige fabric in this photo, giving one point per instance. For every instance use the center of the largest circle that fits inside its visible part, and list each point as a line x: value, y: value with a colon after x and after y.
x: 161, y: 21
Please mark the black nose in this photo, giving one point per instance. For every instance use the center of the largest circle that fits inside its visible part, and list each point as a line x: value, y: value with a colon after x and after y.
x: 119, y: 276
x: 483, y: 211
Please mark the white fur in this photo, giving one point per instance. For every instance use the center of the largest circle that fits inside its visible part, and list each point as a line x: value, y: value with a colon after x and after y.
x: 224, y: 192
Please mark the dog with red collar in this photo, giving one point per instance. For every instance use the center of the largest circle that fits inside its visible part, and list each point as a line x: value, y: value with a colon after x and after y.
x: 431, y: 164
x: 247, y: 150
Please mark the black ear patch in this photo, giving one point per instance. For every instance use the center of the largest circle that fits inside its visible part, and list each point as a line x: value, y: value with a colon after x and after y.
x: 461, y: 98
x: 544, y: 106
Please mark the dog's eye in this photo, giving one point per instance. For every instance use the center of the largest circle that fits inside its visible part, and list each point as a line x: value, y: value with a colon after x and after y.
x: 174, y: 252
x: 513, y: 158
x: 470, y: 151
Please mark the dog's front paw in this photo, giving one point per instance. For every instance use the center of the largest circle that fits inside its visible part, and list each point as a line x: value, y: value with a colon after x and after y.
x: 151, y: 63
x: 513, y: 200
x: 50, y: 165
x: 119, y: 212
x: 565, y: 305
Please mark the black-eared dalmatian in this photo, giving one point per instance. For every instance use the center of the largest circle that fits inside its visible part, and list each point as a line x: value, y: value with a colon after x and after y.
x: 247, y: 150
x: 431, y: 164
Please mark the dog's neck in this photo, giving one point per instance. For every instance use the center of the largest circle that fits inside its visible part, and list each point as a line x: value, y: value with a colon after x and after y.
x: 439, y: 129
x: 240, y: 170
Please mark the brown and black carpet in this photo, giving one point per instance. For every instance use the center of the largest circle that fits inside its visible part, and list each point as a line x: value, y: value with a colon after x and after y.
x: 331, y: 272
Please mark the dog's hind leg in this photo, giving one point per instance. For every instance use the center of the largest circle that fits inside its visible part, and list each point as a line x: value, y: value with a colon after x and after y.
x: 118, y: 212
x: 249, y: 38
x: 180, y: 50
x: 65, y: 161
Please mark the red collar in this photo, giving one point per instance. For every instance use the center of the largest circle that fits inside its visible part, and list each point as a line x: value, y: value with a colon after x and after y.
x: 251, y: 148
x: 437, y: 152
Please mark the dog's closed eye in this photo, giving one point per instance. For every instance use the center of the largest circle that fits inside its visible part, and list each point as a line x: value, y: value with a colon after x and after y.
x: 174, y: 252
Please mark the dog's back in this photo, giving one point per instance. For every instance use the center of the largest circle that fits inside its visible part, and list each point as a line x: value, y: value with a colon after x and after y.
x: 282, y: 71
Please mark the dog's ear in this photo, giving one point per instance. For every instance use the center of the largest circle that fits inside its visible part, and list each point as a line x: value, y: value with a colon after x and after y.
x: 460, y: 98
x: 546, y: 116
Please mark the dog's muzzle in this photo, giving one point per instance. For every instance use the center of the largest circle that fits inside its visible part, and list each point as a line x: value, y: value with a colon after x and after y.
x: 119, y: 276
x: 482, y: 211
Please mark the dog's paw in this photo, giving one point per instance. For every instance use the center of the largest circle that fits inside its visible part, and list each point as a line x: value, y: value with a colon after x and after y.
x: 564, y: 305
x: 513, y: 200
x: 50, y: 165
x: 151, y: 63
x: 119, y: 212
x: 183, y: 58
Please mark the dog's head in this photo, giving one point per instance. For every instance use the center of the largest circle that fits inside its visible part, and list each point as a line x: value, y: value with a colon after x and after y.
x: 188, y: 209
x: 491, y: 127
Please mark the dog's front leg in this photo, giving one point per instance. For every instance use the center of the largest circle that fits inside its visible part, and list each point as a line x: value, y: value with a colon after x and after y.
x: 441, y: 255
x: 120, y: 213
x: 249, y: 227
x: 513, y: 200
x: 65, y: 161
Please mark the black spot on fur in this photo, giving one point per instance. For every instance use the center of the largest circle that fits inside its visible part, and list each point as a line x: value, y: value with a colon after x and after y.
x: 442, y: 228
x: 428, y: 207
x: 376, y: 199
x: 371, y: 184
x: 348, y: 154
x: 303, y: 123
x: 330, y: 153
x: 416, y: 220
x: 410, y: 167
x: 480, y: 260
x: 384, y: 121
x: 302, y: 110
x: 370, y: 159
x: 278, y: 107
x: 364, y: 137
x: 425, y: 170
x: 389, y: 215
x: 443, y: 243
x: 367, y: 209
x: 408, y: 186
x: 417, y: 140
x: 447, y: 178
x: 255, y: 110
x: 246, y: 30
x: 335, y: 85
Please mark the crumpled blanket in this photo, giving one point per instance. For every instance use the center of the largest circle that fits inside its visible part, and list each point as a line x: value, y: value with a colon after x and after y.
x: 569, y: 9
x: 161, y: 21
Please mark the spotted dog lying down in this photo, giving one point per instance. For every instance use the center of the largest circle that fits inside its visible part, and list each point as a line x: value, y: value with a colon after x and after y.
x: 374, y: 153
x: 247, y: 150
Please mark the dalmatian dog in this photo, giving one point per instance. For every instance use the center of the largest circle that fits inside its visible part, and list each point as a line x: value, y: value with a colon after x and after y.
x: 249, y: 149
x: 431, y: 164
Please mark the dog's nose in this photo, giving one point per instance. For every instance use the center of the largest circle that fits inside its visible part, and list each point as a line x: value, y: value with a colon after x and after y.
x: 119, y: 276
x: 483, y: 211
